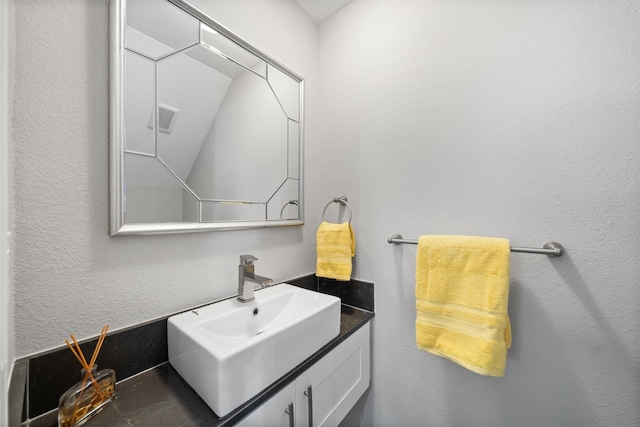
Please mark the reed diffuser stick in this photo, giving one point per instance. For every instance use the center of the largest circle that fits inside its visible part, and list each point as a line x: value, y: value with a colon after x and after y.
x: 85, y: 365
x: 98, y: 346
x: 78, y: 354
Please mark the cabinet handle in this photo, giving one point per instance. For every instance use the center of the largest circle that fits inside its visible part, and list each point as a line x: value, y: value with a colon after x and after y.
x: 289, y: 411
x: 309, y: 394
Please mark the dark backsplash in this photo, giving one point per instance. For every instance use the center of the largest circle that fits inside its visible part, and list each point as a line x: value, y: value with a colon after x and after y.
x: 355, y: 293
x: 127, y: 352
x: 142, y: 347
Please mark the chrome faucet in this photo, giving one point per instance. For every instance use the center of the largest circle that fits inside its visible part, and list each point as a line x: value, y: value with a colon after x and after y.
x: 246, y: 274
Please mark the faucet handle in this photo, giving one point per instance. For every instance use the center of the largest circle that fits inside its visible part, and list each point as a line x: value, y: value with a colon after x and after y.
x: 247, y: 259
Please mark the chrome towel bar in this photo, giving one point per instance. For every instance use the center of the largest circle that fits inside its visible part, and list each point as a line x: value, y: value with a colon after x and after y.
x: 552, y: 248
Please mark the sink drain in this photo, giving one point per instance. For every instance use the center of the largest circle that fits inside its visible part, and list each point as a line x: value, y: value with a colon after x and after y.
x: 256, y: 311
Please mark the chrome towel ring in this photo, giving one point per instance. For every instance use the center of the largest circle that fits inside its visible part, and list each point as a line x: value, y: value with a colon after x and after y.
x: 343, y: 201
x: 290, y: 202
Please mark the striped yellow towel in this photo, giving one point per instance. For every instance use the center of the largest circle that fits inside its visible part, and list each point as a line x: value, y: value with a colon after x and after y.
x: 336, y: 246
x: 462, y: 293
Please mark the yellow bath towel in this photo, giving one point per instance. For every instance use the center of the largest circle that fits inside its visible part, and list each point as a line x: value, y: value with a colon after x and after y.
x: 462, y: 293
x: 336, y: 245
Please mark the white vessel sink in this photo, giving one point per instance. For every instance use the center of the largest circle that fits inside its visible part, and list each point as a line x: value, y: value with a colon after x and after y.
x: 230, y: 351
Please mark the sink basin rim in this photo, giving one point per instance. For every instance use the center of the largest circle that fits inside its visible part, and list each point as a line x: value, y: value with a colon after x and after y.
x: 228, y: 346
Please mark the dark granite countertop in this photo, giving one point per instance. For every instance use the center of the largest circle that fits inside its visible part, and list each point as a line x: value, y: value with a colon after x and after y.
x: 160, y: 397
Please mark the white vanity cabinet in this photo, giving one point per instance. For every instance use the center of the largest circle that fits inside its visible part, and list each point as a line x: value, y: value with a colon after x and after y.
x: 279, y: 410
x: 323, y: 394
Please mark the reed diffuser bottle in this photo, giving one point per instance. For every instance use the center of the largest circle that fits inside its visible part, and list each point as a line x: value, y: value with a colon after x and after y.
x: 94, y: 391
x: 88, y: 397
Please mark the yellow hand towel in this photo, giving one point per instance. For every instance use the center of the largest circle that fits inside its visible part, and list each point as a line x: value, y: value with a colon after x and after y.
x: 462, y: 293
x: 336, y: 245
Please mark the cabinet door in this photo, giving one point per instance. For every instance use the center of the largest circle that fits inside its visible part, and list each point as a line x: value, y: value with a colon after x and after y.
x: 326, y: 392
x: 277, y: 411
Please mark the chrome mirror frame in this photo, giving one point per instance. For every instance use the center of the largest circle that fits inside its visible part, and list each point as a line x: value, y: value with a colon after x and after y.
x: 117, y: 134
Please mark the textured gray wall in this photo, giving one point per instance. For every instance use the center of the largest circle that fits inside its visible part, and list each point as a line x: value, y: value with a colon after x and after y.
x: 507, y: 119
x: 6, y: 299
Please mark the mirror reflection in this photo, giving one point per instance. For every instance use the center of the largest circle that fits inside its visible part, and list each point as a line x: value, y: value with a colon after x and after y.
x: 211, y: 129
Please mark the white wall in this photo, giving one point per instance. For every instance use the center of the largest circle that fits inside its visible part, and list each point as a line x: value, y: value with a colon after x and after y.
x: 6, y: 307
x: 6, y: 336
x: 69, y: 275
x: 509, y: 119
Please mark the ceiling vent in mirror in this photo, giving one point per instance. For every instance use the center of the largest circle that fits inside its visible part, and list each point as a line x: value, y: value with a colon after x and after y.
x: 166, y: 118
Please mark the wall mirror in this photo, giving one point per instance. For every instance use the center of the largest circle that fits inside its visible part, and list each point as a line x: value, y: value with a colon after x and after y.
x: 206, y: 130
